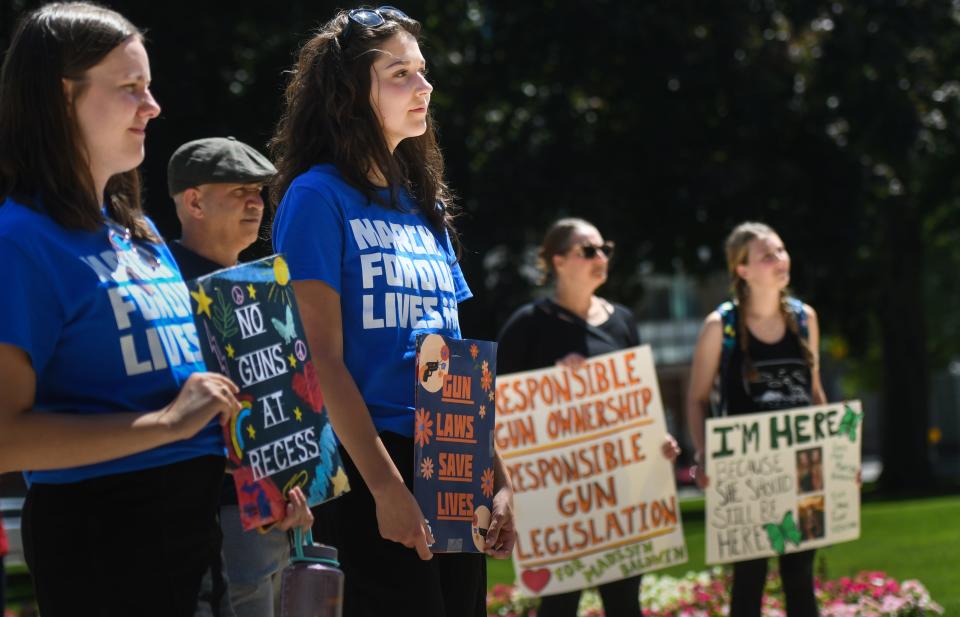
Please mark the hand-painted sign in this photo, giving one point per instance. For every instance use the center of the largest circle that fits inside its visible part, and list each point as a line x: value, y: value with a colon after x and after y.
x: 594, y: 497
x: 782, y: 481
x: 453, y: 439
x: 250, y: 331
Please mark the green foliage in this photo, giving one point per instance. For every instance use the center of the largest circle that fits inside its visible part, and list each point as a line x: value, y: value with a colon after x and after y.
x: 837, y: 122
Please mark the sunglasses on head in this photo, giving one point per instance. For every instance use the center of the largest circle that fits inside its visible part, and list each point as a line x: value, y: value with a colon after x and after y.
x: 371, y: 18
x: 590, y: 250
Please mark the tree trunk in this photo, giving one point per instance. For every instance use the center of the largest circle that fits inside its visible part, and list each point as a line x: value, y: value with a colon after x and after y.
x: 905, y: 419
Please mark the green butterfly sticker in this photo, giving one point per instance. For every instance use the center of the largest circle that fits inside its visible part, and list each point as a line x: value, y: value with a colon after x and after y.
x: 850, y: 421
x: 786, y: 531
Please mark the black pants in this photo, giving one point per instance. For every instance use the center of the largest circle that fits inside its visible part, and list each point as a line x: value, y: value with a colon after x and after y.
x: 796, y: 574
x: 384, y: 578
x: 620, y: 599
x: 3, y: 586
x: 128, y: 544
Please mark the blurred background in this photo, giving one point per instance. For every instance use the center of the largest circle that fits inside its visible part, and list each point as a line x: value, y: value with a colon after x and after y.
x: 664, y: 123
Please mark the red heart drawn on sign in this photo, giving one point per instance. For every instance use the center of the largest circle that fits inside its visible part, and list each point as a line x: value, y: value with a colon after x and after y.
x: 535, y: 580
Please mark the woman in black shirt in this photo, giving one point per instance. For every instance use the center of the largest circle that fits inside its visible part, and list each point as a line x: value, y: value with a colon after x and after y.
x: 772, y: 366
x: 564, y: 329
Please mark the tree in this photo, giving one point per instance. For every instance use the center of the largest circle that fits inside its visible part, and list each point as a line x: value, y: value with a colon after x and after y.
x: 665, y: 124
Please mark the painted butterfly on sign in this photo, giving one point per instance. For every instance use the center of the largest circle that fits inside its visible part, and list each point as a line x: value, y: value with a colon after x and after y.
x: 285, y: 329
x: 850, y: 421
x: 780, y: 534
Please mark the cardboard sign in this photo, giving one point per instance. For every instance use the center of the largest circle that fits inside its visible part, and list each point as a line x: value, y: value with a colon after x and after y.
x: 594, y: 497
x: 782, y: 481
x: 250, y: 331
x: 453, y: 439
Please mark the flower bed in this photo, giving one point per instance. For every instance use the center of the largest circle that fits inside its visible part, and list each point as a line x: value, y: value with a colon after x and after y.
x: 706, y: 594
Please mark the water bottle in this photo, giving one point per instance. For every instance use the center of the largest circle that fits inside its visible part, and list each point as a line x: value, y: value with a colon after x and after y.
x: 312, y: 585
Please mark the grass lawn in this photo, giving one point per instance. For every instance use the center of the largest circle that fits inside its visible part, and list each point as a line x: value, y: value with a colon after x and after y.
x: 918, y: 538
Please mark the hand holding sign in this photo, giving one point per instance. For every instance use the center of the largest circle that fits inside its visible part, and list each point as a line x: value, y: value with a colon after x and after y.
x: 203, y: 397
x: 502, y: 534
x: 298, y: 512
x: 400, y: 519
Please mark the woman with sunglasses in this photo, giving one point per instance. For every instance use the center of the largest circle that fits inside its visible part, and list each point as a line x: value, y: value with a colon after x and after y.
x: 365, y: 222
x: 112, y: 422
x: 564, y: 329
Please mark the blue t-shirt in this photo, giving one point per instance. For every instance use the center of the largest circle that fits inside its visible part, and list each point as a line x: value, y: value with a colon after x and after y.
x: 396, y: 276
x: 108, y: 327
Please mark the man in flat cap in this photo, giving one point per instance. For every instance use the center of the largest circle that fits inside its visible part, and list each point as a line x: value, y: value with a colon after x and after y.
x: 216, y: 184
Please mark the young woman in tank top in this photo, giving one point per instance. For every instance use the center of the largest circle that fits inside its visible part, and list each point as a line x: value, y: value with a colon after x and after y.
x: 772, y: 366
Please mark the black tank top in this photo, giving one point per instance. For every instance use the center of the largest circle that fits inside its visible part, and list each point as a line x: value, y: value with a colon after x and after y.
x: 781, y: 379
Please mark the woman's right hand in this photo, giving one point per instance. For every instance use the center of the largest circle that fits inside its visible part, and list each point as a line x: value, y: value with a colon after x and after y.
x: 400, y: 519
x: 572, y: 361
x: 298, y: 512
x: 702, y: 479
x: 203, y: 397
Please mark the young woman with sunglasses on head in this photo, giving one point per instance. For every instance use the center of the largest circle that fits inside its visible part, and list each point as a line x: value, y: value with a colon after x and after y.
x: 113, y: 424
x: 565, y: 329
x: 773, y: 364
x: 365, y: 223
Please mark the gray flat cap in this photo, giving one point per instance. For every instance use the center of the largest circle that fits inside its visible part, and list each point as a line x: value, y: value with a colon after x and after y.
x: 216, y: 159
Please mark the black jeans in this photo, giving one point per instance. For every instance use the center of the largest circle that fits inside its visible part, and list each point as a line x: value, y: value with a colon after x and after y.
x: 620, y: 598
x: 128, y: 544
x: 796, y: 574
x: 384, y: 578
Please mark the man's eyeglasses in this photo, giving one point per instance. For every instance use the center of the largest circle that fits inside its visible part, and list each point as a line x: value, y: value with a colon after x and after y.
x: 371, y: 18
x: 590, y: 250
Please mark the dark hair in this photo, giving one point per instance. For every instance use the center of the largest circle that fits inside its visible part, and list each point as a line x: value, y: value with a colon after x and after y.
x: 42, y: 155
x: 557, y: 242
x: 327, y: 118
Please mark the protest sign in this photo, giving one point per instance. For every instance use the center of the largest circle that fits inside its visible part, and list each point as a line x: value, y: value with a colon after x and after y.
x: 595, y: 499
x: 782, y: 481
x: 453, y: 439
x: 250, y: 331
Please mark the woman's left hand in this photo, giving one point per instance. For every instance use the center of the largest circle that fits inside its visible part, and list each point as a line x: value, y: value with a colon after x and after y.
x: 670, y: 448
x: 502, y: 533
x: 298, y: 513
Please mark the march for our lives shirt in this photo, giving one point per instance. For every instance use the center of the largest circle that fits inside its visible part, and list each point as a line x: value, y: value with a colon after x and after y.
x: 396, y: 276
x: 108, y: 327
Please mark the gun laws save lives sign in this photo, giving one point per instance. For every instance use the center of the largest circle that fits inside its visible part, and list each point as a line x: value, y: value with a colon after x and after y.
x: 782, y: 481
x: 250, y: 331
x: 453, y: 439
x: 594, y: 497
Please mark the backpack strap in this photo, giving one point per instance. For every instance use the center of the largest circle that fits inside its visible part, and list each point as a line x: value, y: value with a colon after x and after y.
x: 796, y: 307
x: 728, y: 321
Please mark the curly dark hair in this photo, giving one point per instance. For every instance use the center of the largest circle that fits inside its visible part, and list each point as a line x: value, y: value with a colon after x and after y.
x: 42, y: 155
x: 328, y: 118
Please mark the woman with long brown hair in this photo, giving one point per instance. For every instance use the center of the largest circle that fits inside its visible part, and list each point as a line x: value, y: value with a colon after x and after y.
x: 111, y: 422
x: 773, y: 364
x: 366, y: 223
